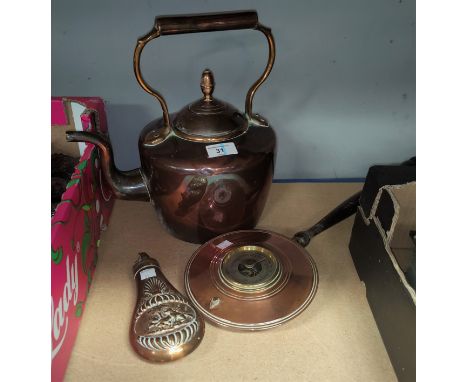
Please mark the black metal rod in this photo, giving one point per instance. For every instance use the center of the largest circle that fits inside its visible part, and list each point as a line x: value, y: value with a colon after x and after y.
x: 338, y: 214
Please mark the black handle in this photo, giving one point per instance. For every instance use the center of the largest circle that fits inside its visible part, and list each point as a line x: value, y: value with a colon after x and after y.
x: 206, y: 22
x: 338, y: 214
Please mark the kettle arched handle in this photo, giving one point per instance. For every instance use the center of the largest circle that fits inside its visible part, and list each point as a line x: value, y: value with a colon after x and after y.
x: 205, y: 22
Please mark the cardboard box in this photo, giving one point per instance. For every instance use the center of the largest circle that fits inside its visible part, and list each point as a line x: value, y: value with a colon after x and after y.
x: 384, y: 253
x: 83, y: 212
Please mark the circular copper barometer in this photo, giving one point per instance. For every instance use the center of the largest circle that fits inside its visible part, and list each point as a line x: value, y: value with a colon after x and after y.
x: 255, y: 279
x: 251, y: 280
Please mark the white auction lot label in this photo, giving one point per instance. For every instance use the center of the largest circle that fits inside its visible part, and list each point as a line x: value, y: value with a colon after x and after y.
x: 224, y: 244
x: 221, y: 149
x: 147, y: 273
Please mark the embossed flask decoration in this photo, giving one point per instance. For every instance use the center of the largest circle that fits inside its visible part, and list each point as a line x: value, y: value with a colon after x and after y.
x: 165, y: 326
x: 208, y: 168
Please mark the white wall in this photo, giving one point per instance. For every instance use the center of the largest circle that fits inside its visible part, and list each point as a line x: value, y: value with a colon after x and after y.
x: 341, y: 95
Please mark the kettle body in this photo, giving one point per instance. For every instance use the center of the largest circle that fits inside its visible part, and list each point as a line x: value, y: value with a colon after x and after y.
x: 199, y: 197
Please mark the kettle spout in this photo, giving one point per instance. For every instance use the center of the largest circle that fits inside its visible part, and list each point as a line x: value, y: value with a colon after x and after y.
x: 128, y: 185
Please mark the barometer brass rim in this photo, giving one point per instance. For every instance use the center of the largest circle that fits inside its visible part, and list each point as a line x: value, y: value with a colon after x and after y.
x: 258, y: 291
x: 230, y: 281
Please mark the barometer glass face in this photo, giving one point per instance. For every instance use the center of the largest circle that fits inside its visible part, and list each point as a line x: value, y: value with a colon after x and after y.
x: 250, y: 268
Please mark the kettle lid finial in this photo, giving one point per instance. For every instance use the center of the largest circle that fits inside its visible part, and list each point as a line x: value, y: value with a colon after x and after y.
x: 209, y: 119
x: 207, y: 84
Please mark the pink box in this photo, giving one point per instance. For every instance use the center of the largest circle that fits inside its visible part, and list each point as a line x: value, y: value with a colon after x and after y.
x: 82, y: 214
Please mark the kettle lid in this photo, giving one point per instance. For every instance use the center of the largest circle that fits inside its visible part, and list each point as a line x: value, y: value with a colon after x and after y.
x: 209, y: 119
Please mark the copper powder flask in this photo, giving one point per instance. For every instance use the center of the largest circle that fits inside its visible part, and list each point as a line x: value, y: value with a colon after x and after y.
x: 208, y: 168
x: 165, y: 325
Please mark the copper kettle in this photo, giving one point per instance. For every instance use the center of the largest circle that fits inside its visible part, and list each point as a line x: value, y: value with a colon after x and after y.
x: 208, y: 168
